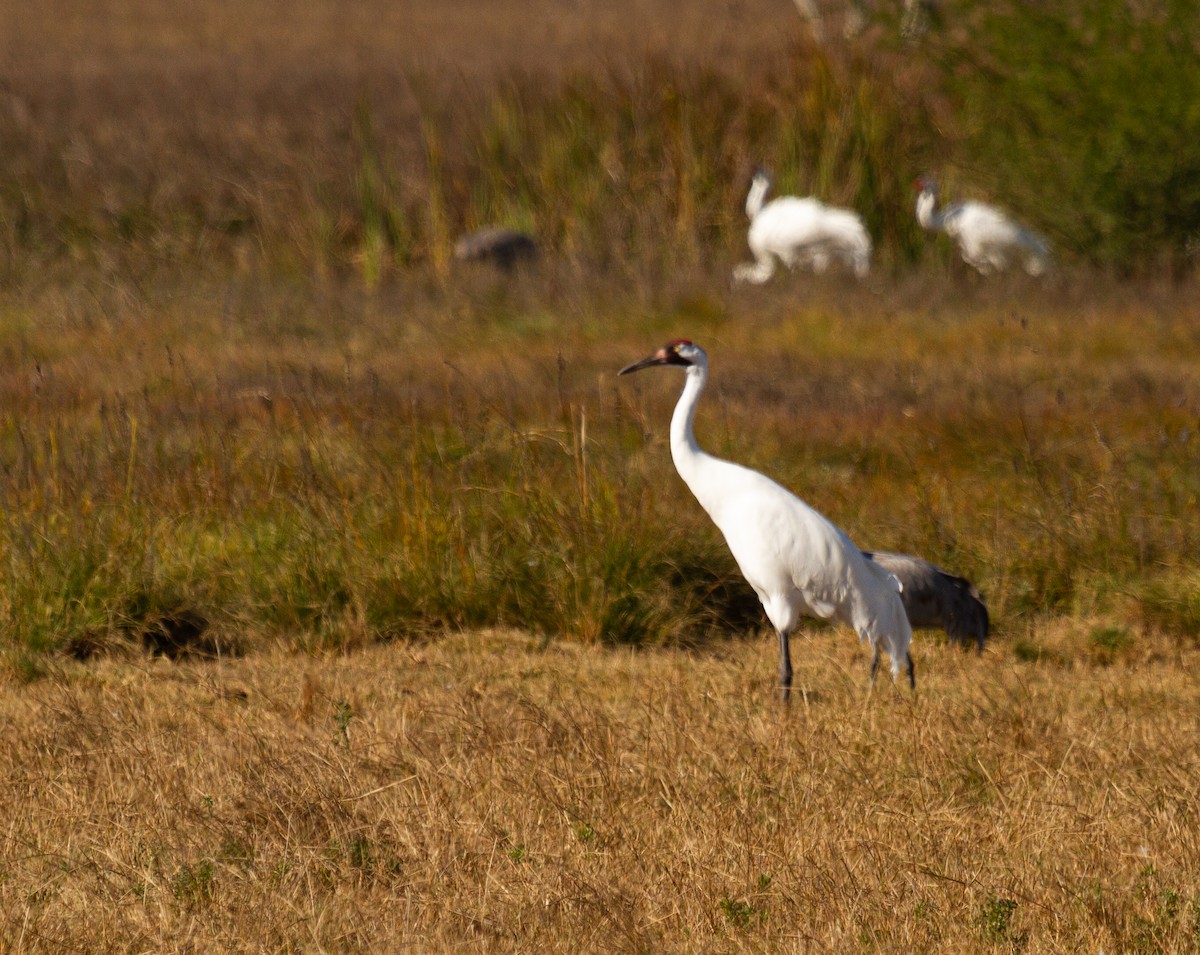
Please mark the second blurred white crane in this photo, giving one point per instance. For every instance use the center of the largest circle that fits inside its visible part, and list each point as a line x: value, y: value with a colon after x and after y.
x: 987, y: 238
x: 800, y: 233
x: 797, y: 561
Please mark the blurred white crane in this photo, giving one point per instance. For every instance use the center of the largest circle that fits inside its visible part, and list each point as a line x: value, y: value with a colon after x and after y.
x: 987, y: 238
x: 797, y: 561
x: 800, y: 233
x: 936, y: 599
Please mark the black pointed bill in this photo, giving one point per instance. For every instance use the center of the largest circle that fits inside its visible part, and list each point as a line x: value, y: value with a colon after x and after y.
x: 658, y: 359
x: 667, y: 355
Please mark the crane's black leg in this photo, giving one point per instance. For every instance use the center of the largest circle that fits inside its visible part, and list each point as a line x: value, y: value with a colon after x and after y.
x: 874, y: 664
x: 912, y: 677
x: 785, y: 667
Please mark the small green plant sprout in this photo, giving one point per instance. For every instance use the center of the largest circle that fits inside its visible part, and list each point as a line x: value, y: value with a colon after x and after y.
x: 739, y: 914
x: 995, y: 920
x: 585, y: 833
x: 361, y: 856
x: 193, y: 885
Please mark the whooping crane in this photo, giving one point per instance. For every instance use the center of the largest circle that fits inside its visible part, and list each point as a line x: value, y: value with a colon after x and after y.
x: 936, y: 599
x: 802, y: 233
x: 501, y: 246
x: 797, y: 561
x: 987, y: 238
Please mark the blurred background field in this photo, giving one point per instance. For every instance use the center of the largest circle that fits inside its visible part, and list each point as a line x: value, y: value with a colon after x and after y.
x: 325, y: 140
x: 450, y: 652
x: 246, y: 388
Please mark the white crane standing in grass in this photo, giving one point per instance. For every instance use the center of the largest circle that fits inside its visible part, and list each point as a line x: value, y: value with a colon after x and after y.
x: 987, y: 238
x: 797, y: 561
x: 800, y: 233
x: 936, y: 599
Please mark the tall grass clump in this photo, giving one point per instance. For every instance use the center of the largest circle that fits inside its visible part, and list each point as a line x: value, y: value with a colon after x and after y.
x: 386, y: 235
x: 615, y: 170
x: 650, y: 166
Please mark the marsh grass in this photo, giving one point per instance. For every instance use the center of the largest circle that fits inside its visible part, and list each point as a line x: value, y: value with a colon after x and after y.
x: 371, y: 465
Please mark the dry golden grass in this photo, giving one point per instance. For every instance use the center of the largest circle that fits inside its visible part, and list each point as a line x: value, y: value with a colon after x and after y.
x: 482, y: 793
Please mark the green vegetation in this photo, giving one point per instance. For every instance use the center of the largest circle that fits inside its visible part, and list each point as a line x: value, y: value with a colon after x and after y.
x: 246, y: 398
x: 996, y: 923
x: 363, y: 481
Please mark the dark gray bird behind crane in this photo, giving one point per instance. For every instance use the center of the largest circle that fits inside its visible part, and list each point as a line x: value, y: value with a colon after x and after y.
x: 500, y: 246
x: 935, y: 599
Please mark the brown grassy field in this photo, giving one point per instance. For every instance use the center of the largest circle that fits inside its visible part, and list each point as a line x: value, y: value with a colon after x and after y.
x: 481, y: 793
x: 468, y: 669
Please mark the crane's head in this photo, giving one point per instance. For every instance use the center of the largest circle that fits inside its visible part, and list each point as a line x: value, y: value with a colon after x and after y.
x: 924, y: 184
x: 678, y: 351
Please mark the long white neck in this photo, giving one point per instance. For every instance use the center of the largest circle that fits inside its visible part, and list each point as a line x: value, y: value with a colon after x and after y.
x: 685, y: 452
x: 758, y: 192
x: 926, y: 215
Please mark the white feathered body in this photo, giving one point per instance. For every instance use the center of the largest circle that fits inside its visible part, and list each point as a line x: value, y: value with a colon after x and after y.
x: 988, y: 239
x: 801, y: 233
x: 797, y: 561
